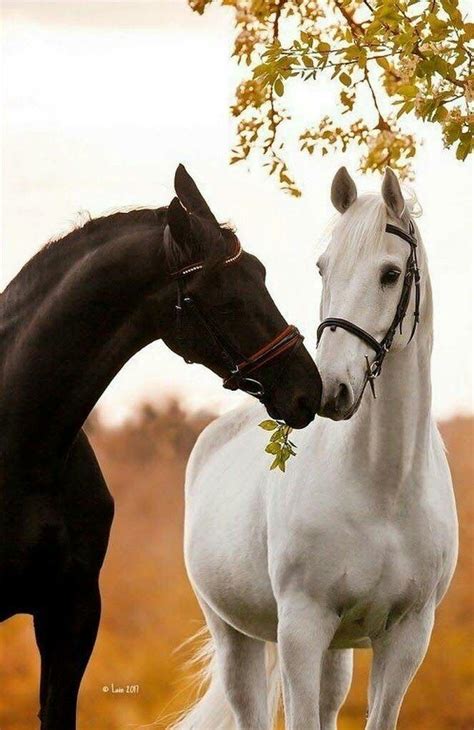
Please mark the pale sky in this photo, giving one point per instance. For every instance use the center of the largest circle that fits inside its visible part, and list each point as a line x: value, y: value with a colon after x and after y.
x: 101, y: 102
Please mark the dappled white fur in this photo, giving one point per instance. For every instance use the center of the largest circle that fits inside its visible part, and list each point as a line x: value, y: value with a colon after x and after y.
x: 354, y: 546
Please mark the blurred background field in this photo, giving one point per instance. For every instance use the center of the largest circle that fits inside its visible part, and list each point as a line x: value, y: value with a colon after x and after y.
x: 149, y: 608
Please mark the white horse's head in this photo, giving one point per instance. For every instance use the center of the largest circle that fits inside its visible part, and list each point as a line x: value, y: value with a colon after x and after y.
x: 363, y: 271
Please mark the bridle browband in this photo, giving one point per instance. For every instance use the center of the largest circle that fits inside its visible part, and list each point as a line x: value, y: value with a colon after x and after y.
x: 237, y: 365
x: 412, y: 275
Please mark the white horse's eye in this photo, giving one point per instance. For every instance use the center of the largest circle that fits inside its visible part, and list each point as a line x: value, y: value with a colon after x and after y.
x: 390, y: 277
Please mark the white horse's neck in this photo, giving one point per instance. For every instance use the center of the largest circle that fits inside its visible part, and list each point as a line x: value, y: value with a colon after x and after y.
x: 390, y: 436
x: 396, y: 423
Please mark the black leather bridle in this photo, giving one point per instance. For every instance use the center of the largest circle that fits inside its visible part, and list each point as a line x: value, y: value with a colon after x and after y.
x: 238, y: 366
x: 412, y: 276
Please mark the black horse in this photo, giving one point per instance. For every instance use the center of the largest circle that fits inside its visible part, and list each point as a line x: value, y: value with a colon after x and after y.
x: 73, y: 316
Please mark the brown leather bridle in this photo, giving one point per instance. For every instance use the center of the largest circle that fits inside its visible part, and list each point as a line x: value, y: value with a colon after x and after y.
x: 238, y: 366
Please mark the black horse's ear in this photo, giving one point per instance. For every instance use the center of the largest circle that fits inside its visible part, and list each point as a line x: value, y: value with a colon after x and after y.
x: 179, y: 223
x: 178, y: 237
x: 189, y: 195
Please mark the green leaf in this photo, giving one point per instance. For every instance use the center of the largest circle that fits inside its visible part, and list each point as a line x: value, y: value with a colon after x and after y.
x: 469, y: 31
x: 383, y: 63
x: 352, y: 52
x: 463, y: 149
x: 273, y: 448
x: 268, y: 425
x: 452, y: 133
x: 409, y: 91
x: 440, y: 114
x: 275, y: 463
x: 261, y: 69
x: 285, y: 456
x: 443, y: 67
x: 408, y: 106
x: 279, y: 87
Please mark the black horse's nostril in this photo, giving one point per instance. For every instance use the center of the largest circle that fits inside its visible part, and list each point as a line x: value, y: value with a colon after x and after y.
x: 303, y: 404
x: 303, y: 412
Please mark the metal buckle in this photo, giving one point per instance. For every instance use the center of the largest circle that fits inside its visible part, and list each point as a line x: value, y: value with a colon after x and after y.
x: 252, y: 387
x: 372, y: 372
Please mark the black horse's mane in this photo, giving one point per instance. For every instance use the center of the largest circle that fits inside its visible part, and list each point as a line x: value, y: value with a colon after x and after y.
x: 57, y: 256
x: 85, y: 238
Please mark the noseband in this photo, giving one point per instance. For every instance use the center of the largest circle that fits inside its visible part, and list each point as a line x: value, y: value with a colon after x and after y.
x: 237, y: 365
x: 412, y: 275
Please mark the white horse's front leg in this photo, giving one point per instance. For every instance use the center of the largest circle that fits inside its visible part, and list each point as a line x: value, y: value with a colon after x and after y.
x: 397, y: 656
x: 336, y: 676
x: 305, y: 631
x: 241, y: 662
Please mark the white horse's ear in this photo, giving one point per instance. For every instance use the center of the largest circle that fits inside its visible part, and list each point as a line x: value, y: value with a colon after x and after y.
x: 392, y: 194
x: 343, y: 190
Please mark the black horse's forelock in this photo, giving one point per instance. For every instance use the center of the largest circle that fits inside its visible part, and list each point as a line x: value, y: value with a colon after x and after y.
x: 213, y: 261
x: 209, y: 246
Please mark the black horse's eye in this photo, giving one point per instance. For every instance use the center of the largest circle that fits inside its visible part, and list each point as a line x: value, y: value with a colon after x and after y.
x: 232, y: 306
x: 390, y: 277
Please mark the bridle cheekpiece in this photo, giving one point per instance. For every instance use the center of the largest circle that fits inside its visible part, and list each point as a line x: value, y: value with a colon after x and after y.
x: 412, y: 276
x: 238, y: 366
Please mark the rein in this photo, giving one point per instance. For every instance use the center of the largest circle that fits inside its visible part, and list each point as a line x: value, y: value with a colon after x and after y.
x: 237, y: 365
x: 412, y: 275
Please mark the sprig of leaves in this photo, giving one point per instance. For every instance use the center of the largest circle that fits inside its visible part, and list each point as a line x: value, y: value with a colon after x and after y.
x: 279, y: 446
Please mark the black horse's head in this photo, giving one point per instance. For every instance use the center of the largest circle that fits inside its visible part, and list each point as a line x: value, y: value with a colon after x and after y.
x: 225, y: 316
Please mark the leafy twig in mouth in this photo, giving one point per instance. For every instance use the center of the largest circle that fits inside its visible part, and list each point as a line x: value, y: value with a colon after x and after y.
x: 279, y: 446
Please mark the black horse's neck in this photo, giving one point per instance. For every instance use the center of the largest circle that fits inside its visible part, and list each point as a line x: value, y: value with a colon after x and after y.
x: 44, y: 271
x: 79, y: 332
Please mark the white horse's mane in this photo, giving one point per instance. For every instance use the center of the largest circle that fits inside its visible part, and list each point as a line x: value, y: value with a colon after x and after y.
x: 361, y: 228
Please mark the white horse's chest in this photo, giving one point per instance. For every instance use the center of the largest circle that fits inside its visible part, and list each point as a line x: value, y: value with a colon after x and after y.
x: 254, y: 535
x: 371, y: 560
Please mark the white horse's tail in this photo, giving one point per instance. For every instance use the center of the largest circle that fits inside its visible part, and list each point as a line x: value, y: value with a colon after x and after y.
x: 212, y: 711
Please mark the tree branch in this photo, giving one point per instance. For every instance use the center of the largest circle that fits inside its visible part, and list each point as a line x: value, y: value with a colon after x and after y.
x: 354, y: 25
x: 382, y: 123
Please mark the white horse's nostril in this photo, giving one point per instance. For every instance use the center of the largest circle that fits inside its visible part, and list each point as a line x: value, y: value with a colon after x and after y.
x: 341, y: 396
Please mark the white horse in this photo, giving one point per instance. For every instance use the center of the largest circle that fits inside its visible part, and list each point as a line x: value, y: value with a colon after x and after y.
x: 356, y: 544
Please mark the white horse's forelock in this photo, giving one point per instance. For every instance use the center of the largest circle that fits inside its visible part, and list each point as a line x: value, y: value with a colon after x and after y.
x: 360, y: 229
x: 412, y: 204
